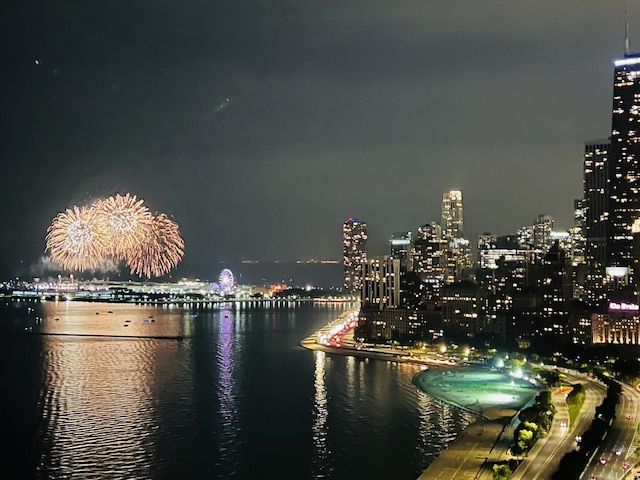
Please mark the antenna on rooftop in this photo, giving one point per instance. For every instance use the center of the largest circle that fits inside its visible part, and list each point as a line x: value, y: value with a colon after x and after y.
x: 626, y: 29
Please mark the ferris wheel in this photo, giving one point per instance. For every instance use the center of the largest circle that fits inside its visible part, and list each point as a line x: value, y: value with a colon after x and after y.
x: 226, y: 281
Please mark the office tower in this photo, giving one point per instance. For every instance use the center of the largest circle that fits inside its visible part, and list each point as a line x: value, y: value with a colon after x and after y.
x: 494, y: 251
x: 542, y: 230
x: 623, y: 164
x: 400, y: 247
x: 596, y: 215
x: 460, y: 309
x: 458, y: 247
x: 387, y: 314
x: 541, y: 309
x: 354, y: 247
x: 596, y: 198
x: 430, y: 260
x: 579, y: 268
x: 452, y: 219
x: 577, y: 232
x: 381, y: 283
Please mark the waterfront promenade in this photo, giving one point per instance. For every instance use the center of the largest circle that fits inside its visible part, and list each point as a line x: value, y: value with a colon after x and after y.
x: 493, y: 396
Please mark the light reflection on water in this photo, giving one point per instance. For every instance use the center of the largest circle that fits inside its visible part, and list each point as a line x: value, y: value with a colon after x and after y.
x: 320, y: 412
x: 211, y: 394
x: 226, y: 388
x: 92, y: 415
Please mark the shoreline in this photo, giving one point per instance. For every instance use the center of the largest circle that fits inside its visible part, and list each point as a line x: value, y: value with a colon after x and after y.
x: 480, y: 409
x: 486, y: 440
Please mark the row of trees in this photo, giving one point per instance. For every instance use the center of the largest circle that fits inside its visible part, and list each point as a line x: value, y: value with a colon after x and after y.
x: 535, y: 422
x: 575, y: 400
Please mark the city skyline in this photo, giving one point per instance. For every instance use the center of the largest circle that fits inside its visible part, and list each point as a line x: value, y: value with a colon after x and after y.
x: 277, y: 124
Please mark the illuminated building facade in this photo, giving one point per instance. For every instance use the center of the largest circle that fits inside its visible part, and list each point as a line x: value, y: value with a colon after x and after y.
x: 492, y: 250
x: 596, y: 201
x: 354, y: 247
x: 401, y: 247
x: 542, y: 232
x: 620, y: 324
x: 458, y: 247
x: 623, y: 165
x: 381, y: 283
x: 577, y: 251
x: 460, y: 309
x: 430, y: 260
x: 577, y: 232
x: 452, y: 217
x: 503, y: 266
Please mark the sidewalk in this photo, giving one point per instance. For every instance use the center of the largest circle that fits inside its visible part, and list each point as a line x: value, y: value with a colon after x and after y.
x: 472, y: 454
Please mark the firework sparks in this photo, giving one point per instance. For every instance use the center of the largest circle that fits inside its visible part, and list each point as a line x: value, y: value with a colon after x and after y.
x: 161, y: 250
x: 119, y: 228
x: 126, y: 220
x: 76, y: 240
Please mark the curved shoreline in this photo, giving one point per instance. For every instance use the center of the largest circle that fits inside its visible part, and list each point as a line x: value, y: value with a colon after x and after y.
x: 485, y: 440
x: 481, y: 409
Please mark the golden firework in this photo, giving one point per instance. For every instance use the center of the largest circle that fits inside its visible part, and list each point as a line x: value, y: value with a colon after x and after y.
x: 119, y: 228
x: 76, y: 239
x: 161, y: 250
x: 126, y: 221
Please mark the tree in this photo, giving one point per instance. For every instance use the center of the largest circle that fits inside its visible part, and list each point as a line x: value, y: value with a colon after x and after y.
x: 501, y: 472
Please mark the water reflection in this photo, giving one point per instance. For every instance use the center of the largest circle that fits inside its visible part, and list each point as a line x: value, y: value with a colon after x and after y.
x: 226, y: 387
x: 320, y: 414
x: 106, y: 319
x: 96, y: 405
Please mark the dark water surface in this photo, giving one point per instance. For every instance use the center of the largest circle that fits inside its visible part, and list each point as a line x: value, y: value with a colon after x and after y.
x: 117, y: 391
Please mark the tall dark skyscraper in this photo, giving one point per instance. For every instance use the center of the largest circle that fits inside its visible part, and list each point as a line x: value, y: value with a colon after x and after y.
x: 596, y: 201
x: 623, y: 165
x: 354, y: 247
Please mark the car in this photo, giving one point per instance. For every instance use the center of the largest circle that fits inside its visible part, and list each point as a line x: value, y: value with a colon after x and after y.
x: 603, y: 460
x: 592, y: 478
x: 629, y: 417
x: 618, y: 452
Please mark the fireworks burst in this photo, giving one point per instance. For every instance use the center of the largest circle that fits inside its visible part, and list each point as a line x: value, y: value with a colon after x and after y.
x: 126, y: 220
x: 76, y: 239
x: 119, y: 228
x: 161, y: 250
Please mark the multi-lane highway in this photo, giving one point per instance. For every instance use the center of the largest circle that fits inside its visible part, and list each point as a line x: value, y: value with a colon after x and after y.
x: 545, y: 457
x: 612, y: 460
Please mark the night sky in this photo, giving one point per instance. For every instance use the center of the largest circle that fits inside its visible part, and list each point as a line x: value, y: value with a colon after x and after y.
x: 262, y: 125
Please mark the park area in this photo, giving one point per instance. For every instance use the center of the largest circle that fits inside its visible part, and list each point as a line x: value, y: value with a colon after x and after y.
x: 489, y: 393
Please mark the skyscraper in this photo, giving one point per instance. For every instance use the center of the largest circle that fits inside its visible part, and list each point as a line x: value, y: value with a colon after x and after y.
x: 354, y: 247
x: 401, y: 247
x: 452, y: 220
x: 458, y: 247
x: 542, y: 229
x: 623, y: 166
x: 596, y: 200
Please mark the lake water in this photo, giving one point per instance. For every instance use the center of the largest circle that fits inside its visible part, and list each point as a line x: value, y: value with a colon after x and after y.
x: 97, y: 390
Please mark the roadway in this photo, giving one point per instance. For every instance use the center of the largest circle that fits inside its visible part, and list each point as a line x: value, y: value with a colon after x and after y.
x: 613, y: 459
x: 544, y: 458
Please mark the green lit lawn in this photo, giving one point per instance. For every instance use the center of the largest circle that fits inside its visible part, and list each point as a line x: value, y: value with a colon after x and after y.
x: 476, y: 389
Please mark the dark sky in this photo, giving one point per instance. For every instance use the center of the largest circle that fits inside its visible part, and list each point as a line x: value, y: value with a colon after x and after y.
x: 261, y: 125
